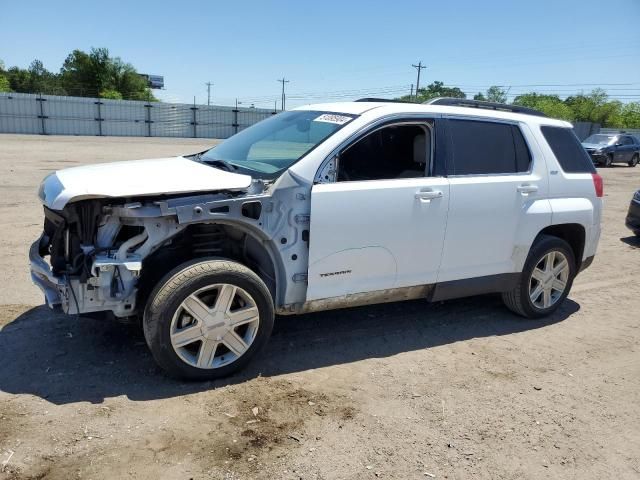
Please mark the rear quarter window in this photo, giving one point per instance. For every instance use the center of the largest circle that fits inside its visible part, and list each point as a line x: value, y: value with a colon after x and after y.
x: 566, y: 147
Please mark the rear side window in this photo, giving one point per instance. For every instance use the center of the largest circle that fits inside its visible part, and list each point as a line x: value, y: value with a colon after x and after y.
x: 572, y: 157
x: 482, y: 148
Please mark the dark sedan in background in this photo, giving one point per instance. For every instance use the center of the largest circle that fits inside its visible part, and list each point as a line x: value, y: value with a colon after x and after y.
x: 607, y: 149
x: 633, y: 217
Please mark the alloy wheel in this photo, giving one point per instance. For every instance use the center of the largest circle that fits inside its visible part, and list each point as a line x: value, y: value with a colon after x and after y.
x: 549, y: 279
x: 214, y: 326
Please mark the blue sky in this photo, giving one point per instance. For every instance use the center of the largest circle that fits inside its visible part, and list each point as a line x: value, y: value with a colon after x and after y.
x: 340, y: 49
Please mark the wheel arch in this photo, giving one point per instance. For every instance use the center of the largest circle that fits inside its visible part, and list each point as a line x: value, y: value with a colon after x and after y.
x: 223, y: 239
x: 572, y: 233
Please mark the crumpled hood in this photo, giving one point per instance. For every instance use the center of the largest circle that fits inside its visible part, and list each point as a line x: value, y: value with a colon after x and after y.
x: 136, y: 178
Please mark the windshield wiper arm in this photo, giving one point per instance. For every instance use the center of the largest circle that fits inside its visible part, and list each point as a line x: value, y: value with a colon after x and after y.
x: 223, y: 164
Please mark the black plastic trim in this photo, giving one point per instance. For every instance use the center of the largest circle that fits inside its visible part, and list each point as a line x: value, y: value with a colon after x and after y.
x: 586, y: 263
x: 384, y: 100
x: 468, y: 287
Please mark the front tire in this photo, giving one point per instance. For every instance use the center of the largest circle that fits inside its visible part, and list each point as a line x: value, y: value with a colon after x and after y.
x: 206, y: 319
x: 545, y: 281
x: 608, y: 161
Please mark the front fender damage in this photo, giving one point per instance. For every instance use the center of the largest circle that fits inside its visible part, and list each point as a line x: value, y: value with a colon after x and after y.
x: 106, y: 273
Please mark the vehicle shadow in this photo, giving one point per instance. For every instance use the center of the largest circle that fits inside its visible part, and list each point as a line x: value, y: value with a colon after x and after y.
x: 65, y: 359
x: 632, y: 241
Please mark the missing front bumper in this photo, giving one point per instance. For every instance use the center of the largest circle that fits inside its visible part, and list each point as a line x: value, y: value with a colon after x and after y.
x: 54, y: 288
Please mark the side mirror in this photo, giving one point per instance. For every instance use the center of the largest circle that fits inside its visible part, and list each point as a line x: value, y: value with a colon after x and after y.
x: 618, y: 144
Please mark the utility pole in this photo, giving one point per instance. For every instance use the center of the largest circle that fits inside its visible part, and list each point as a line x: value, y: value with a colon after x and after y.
x: 209, y: 85
x: 283, y: 96
x: 411, y: 94
x: 418, y: 67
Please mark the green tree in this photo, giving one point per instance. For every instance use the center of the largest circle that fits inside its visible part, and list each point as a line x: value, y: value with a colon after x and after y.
x: 90, y: 74
x: 595, y: 107
x: 436, y: 89
x: 480, y: 96
x: 111, y: 94
x: 42, y: 80
x: 4, y: 83
x: 550, y: 105
x: 630, y: 115
x: 128, y: 82
x: 35, y: 79
x: 496, y: 94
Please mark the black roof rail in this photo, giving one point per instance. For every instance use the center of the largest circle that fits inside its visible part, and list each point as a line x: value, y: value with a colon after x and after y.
x: 462, y: 102
x: 386, y: 100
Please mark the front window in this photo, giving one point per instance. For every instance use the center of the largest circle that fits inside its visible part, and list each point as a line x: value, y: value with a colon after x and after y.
x: 600, y: 139
x: 267, y: 148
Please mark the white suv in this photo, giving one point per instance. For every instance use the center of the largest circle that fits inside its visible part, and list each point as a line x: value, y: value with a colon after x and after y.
x: 322, y: 207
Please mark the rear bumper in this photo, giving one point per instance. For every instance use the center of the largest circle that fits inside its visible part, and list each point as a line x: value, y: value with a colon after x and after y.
x: 54, y: 288
x: 633, y: 217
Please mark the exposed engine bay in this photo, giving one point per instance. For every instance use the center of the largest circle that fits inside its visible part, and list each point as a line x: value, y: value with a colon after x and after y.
x: 100, y: 255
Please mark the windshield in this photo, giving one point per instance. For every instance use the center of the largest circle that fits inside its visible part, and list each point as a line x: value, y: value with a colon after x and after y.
x: 600, y: 139
x: 269, y: 147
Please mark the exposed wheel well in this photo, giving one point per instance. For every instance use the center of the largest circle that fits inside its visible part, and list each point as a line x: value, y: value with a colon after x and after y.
x: 206, y: 240
x: 573, y: 234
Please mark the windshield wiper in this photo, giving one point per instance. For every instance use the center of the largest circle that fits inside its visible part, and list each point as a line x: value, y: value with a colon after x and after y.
x: 222, y: 164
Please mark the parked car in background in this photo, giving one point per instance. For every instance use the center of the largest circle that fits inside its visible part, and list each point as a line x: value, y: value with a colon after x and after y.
x: 633, y: 216
x: 608, y: 148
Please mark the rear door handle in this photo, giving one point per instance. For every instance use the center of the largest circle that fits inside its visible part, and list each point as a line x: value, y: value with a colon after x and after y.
x: 428, y: 194
x: 526, y: 188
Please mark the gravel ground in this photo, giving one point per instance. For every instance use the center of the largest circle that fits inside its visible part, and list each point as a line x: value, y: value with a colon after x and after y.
x: 456, y: 390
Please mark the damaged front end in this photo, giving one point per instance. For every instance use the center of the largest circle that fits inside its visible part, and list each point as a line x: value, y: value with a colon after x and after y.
x: 89, y: 256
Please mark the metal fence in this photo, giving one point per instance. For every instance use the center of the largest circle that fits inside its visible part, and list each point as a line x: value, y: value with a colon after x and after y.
x: 56, y: 115
x: 632, y: 131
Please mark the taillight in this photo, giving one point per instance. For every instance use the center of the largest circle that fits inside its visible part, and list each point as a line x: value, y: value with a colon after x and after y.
x: 598, y: 184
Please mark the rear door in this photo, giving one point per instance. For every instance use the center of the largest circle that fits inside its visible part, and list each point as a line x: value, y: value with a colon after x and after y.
x: 494, y: 182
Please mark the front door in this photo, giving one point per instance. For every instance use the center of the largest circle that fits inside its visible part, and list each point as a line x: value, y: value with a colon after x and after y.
x: 381, y: 225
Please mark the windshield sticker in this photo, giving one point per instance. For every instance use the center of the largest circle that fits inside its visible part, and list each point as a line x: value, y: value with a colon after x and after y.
x: 331, y: 118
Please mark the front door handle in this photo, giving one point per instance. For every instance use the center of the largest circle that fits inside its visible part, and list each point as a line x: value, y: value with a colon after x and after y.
x: 527, y: 188
x: 428, y: 194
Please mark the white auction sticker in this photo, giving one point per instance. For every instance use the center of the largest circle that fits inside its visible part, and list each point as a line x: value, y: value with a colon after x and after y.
x: 331, y: 118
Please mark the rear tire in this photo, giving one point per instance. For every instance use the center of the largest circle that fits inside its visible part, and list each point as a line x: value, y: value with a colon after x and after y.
x: 540, y: 291
x: 634, y: 161
x: 207, y: 318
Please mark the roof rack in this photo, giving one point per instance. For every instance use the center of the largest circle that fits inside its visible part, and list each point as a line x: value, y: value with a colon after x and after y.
x: 386, y: 100
x: 462, y: 102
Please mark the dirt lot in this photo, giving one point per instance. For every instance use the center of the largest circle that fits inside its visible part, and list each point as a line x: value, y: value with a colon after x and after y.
x: 456, y: 390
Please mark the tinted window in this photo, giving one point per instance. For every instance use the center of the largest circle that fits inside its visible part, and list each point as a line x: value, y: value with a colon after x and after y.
x: 627, y: 141
x: 396, y: 151
x: 487, y: 148
x: 568, y: 150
